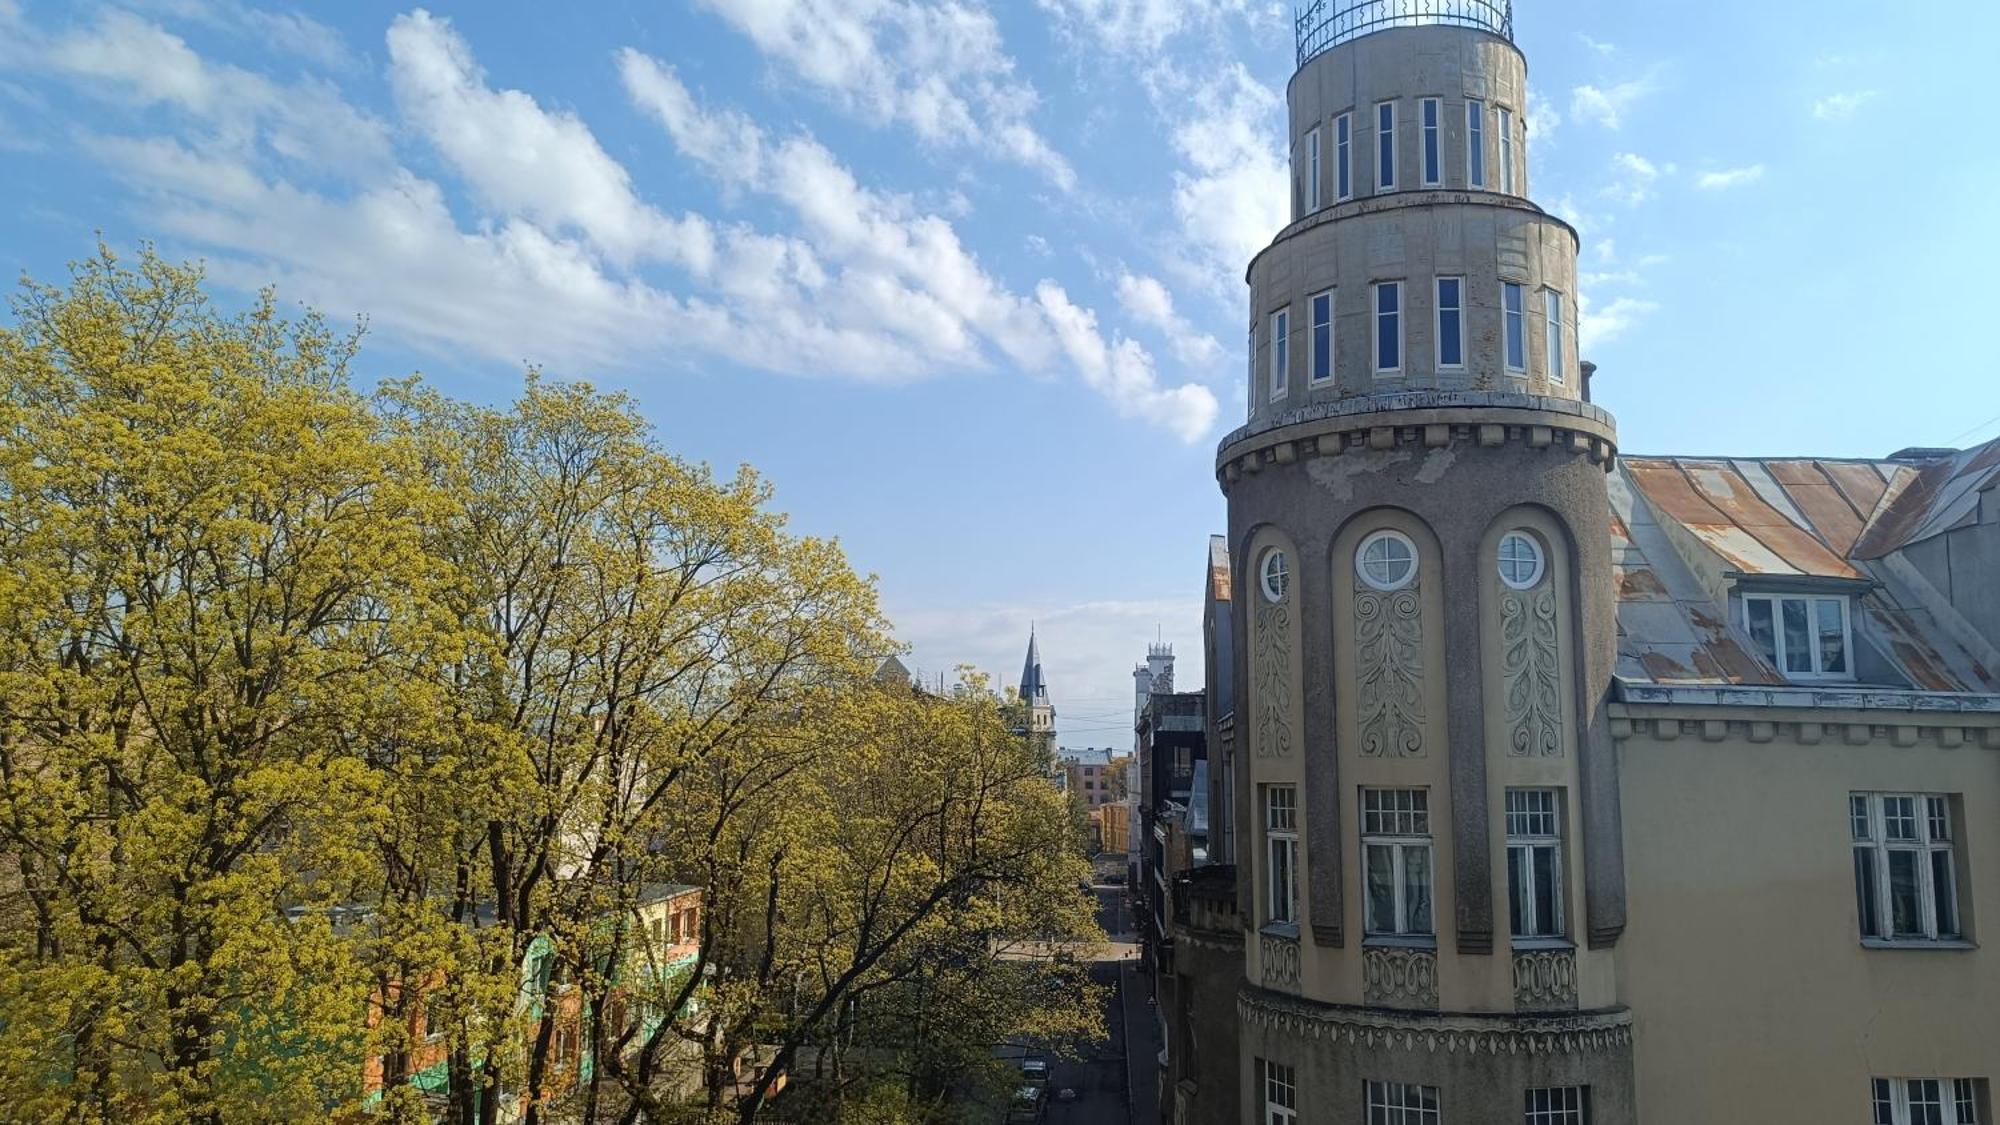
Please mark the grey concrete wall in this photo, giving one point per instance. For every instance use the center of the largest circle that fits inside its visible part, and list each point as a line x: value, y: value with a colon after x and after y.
x: 1403, y: 66
x: 1457, y: 492
x: 1482, y: 1085
x: 1415, y: 240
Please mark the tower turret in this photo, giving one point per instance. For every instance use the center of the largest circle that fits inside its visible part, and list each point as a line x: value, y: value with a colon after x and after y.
x: 1419, y: 509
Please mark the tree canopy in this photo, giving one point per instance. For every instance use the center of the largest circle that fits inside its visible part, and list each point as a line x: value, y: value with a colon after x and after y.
x: 344, y: 734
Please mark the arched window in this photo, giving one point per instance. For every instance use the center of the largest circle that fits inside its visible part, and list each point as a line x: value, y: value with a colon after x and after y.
x: 1276, y: 574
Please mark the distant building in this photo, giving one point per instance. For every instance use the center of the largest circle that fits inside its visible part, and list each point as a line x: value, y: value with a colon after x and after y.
x: 1566, y: 787
x: 1035, y: 715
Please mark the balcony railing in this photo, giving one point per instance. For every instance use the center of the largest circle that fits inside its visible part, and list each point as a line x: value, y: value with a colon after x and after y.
x: 1325, y: 24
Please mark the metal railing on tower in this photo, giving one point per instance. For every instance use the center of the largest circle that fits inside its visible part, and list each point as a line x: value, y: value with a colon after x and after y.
x: 1325, y: 24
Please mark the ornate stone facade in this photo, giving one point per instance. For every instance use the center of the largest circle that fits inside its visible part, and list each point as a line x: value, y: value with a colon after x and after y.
x: 1397, y: 977
x: 1528, y: 664
x: 1274, y: 677
x: 1389, y: 662
x: 1544, y: 979
x: 1279, y: 955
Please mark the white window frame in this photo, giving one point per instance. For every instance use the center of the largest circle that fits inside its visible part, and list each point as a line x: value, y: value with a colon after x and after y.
x: 1343, y: 156
x: 1536, y: 555
x: 1504, y: 121
x: 1312, y: 170
x: 1870, y: 818
x: 1475, y: 143
x: 1405, y: 1103
x: 1430, y: 122
x: 1891, y: 1100
x: 1274, y: 575
x: 1513, y: 326
x: 1376, y: 316
x: 1385, y: 143
x: 1281, y: 352
x: 1315, y: 305
x: 1437, y: 323
x: 1556, y: 1105
x: 1395, y: 829
x: 1389, y: 586
x: 1780, y: 653
x: 1281, y: 854
x: 1280, y: 1093
x: 1533, y: 819
x: 1552, y: 318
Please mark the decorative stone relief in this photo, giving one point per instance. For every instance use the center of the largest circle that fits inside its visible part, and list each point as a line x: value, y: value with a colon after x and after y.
x: 1274, y: 679
x: 1528, y: 668
x: 1389, y: 635
x: 1568, y: 1033
x: 1279, y: 957
x: 1397, y: 977
x: 1544, y: 979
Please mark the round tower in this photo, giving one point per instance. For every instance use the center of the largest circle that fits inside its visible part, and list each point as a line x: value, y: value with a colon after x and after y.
x: 1432, y: 856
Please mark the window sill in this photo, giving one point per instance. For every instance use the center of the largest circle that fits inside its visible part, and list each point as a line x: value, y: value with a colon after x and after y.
x: 1400, y: 941
x: 1527, y: 943
x: 1959, y: 945
x: 1281, y: 930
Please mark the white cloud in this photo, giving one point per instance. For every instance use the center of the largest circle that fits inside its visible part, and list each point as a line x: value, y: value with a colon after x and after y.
x: 1608, y: 105
x: 1600, y: 325
x: 1835, y: 107
x: 1145, y: 26
x: 1233, y: 195
x: 938, y: 68
x: 524, y: 160
x: 1543, y: 117
x: 126, y: 58
x: 1633, y: 178
x: 908, y: 267
x: 1602, y: 48
x: 1729, y: 177
x: 1148, y: 302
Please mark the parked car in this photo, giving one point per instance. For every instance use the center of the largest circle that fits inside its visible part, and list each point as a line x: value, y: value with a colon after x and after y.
x: 1026, y: 1106
x: 1035, y: 1071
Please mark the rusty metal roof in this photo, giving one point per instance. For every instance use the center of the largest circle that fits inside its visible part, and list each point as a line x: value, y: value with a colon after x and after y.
x: 1218, y: 567
x: 1686, y: 530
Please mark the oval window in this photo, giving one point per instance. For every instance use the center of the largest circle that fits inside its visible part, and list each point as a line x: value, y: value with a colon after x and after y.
x: 1277, y: 576
x: 1520, y: 560
x: 1387, y: 560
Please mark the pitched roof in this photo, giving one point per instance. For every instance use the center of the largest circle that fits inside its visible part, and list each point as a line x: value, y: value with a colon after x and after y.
x: 1034, y: 689
x: 1685, y: 529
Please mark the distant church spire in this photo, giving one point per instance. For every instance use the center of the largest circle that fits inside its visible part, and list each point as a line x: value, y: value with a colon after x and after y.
x: 1034, y: 689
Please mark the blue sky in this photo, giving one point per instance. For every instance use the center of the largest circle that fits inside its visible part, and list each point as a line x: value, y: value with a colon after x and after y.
x: 964, y: 277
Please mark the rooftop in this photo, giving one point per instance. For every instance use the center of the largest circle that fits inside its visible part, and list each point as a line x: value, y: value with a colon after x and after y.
x: 1686, y: 530
x: 1325, y: 24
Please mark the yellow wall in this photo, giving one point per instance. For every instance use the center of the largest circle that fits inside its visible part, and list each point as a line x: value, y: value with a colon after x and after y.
x: 1753, y: 998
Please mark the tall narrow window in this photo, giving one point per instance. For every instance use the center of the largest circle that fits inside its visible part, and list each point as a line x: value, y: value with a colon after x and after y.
x: 1433, y: 170
x: 1514, y: 313
x: 1312, y: 169
x: 1343, y: 157
x: 1388, y: 328
x: 1396, y: 861
x: 1475, y: 143
x: 1322, y: 336
x: 1534, y: 863
x: 1385, y: 146
x: 1905, y: 883
x: 1505, y: 123
x: 1552, y: 317
x: 1281, y: 843
x: 1280, y: 1093
x: 1450, y: 322
x: 1402, y: 1103
x: 1281, y: 351
x: 1806, y: 638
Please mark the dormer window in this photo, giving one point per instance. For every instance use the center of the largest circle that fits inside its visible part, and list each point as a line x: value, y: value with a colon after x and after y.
x: 1805, y: 636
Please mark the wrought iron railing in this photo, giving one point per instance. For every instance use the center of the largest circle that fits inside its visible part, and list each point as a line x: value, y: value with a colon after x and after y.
x: 1324, y: 24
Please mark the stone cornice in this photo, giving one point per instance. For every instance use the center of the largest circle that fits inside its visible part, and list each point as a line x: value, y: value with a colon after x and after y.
x: 1403, y: 200
x: 1933, y: 706
x: 1697, y: 723
x: 1421, y: 420
x: 1451, y: 1032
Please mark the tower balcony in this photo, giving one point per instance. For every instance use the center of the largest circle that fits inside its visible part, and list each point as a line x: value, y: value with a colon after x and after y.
x: 1325, y: 24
